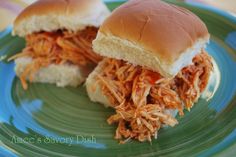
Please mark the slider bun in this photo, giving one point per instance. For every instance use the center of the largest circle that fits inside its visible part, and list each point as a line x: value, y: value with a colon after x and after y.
x: 154, y: 34
x: 93, y: 88
x: 62, y: 75
x: 51, y: 15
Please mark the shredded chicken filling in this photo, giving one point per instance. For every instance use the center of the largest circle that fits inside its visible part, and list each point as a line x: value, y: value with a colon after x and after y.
x: 141, y: 97
x: 59, y: 47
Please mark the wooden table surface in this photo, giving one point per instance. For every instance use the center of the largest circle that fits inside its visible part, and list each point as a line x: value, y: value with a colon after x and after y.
x: 9, y: 9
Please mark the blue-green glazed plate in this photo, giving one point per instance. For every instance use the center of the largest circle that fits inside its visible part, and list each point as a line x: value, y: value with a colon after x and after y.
x: 49, y: 121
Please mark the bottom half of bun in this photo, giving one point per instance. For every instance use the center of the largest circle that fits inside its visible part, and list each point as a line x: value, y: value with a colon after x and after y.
x: 60, y: 74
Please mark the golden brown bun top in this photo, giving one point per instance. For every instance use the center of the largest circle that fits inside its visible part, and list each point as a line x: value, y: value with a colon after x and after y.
x: 163, y: 29
x: 60, y: 14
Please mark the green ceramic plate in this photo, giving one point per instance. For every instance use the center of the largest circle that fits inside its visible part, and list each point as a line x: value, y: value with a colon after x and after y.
x: 50, y: 121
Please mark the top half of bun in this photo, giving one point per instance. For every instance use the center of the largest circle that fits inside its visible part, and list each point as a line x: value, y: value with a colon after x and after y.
x: 151, y: 33
x: 51, y: 15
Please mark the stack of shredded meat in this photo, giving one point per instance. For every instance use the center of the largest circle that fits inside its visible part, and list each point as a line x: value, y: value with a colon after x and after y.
x: 142, y: 97
x: 59, y: 47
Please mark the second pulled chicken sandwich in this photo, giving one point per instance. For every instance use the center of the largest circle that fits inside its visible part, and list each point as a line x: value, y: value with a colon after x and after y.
x: 59, y: 38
